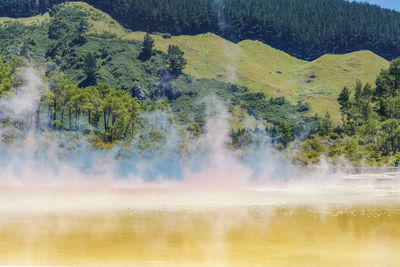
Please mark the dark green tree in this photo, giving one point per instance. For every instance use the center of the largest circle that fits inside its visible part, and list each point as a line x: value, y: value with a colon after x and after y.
x: 366, y: 99
x: 176, y: 61
x: 147, y: 47
x: 91, y: 68
x: 388, y: 88
x: 326, y: 124
x: 344, y: 102
x: 358, y: 92
x: 286, y: 133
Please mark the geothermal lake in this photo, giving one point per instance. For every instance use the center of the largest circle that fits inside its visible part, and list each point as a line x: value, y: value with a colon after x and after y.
x: 352, y: 222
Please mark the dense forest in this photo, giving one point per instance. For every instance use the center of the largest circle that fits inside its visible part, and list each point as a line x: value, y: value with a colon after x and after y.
x: 306, y: 29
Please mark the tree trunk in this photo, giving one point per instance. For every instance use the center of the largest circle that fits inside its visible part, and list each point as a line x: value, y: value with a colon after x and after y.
x: 105, y: 126
x: 54, y: 115
x: 50, y: 115
x: 105, y: 121
x: 37, y: 117
x: 76, y: 118
x: 70, y: 119
x: 127, y: 127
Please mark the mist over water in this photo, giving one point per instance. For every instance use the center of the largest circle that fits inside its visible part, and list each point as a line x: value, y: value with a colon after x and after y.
x: 205, y: 169
x: 51, y: 152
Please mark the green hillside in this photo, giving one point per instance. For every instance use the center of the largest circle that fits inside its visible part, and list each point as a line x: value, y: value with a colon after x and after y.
x: 260, y: 67
x: 306, y: 29
x: 255, y: 65
x: 319, y: 82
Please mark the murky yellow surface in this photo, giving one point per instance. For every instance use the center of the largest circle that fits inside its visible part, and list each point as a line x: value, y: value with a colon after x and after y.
x: 226, y: 236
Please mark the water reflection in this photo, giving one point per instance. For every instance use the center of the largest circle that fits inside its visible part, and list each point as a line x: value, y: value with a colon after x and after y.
x: 243, y: 236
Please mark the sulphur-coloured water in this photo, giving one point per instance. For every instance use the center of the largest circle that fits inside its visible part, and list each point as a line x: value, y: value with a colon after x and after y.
x: 218, y: 236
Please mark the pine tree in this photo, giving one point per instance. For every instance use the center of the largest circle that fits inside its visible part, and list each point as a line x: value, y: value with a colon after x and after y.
x: 326, y: 124
x: 90, y: 68
x: 147, y: 48
x: 286, y: 132
x: 344, y: 102
x: 176, y: 61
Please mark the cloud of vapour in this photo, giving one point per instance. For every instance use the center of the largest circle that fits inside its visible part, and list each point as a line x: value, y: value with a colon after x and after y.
x: 230, y: 51
x: 204, y: 168
x: 21, y: 104
x: 55, y: 158
x: 26, y: 98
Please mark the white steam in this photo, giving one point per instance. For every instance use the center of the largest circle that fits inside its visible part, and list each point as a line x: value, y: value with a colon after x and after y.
x: 231, y: 52
x: 26, y: 98
x: 54, y: 165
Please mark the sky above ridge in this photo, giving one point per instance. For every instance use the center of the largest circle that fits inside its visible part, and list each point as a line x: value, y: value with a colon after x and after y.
x: 392, y: 4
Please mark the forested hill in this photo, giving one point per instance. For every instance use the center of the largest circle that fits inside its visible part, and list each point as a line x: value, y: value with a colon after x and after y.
x: 306, y: 29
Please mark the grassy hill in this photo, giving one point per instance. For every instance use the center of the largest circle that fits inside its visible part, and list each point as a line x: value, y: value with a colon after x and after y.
x: 27, y: 21
x: 255, y: 65
x: 260, y: 67
x: 321, y: 80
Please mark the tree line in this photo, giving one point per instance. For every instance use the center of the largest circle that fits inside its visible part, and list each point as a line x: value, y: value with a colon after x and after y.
x: 374, y: 113
x: 370, y: 129
x: 110, y: 113
x: 87, y: 106
x: 306, y: 29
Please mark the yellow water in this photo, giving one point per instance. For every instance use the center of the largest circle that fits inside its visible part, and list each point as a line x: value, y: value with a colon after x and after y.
x: 218, y: 236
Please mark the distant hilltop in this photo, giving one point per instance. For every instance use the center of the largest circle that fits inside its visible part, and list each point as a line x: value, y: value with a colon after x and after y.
x: 306, y: 29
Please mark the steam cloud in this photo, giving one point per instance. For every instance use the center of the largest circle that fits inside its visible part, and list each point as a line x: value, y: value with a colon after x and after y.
x: 48, y: 161
x: 48, y: 155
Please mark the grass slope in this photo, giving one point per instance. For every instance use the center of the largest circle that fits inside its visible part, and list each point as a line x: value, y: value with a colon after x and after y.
x: 255, y: 65
x: 262, y: 68
x: 36, y: 20
x: 319, y: 82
